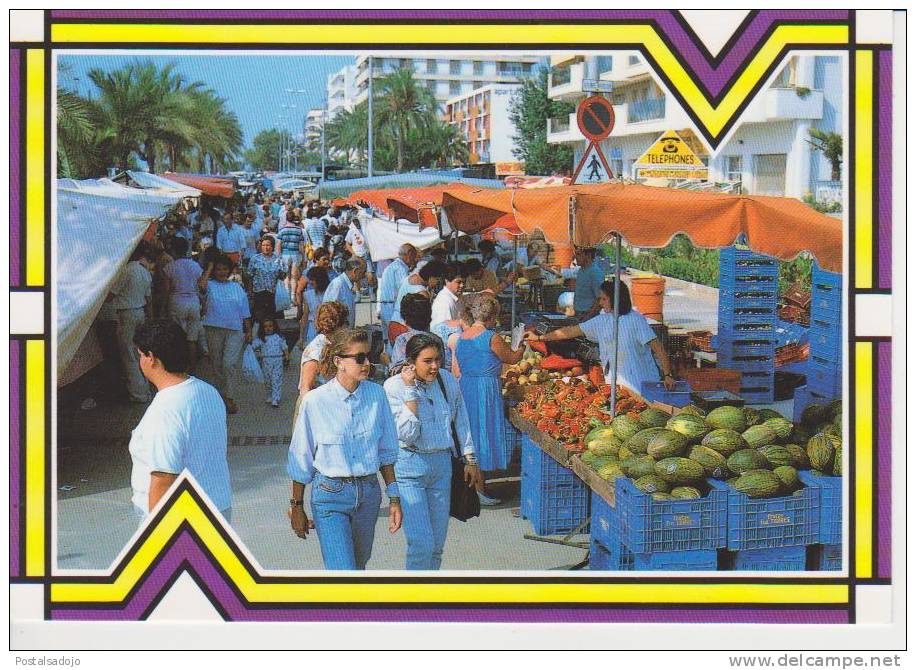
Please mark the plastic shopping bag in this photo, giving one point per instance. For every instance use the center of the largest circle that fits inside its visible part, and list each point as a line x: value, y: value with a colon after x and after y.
x: 251, y: 369
x: 281, y: 297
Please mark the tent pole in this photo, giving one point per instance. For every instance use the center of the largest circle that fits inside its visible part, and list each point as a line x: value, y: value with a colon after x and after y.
x: 514, y: 265
x: 613, y: 399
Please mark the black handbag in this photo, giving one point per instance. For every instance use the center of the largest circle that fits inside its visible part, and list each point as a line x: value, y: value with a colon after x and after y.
x: 464, y: 501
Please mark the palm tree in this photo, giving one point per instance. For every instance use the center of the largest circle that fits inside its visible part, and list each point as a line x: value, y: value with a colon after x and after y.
x: 348, y: 132
x: 831, y: 145
x: 403, y: 106
x: 446, y: 144
x: 75, y: 133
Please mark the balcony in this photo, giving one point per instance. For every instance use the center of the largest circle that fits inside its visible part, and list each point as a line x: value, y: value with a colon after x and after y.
x: 566, y: 82
x: 785, y: 104
x: 650, y: 109
x: 564, y: 130
x: 625, y: 70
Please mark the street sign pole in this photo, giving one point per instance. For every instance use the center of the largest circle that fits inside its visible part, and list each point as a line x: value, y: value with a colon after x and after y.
x: 595, y: 117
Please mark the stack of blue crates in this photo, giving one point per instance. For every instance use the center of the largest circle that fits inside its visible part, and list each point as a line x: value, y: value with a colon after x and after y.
x: 825, y: 361
x: 641, y: 533
x: 748, y: 301
x: 554, y: 499
x: 829, y: 550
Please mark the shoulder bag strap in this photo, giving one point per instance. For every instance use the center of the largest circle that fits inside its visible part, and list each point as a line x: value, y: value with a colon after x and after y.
x: 455, y: 442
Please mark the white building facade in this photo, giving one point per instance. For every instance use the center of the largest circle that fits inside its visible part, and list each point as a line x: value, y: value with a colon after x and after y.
x: 768, y: 153
x: 447, y: 74
x: 312, y: 129
x: 482, y: 115
x: 341, y: 91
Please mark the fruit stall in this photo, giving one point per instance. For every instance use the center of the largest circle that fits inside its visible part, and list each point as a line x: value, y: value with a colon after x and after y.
x: 690, y: 485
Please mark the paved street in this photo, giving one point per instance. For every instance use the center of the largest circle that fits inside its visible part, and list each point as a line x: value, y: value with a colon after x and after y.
x: 95, y: 519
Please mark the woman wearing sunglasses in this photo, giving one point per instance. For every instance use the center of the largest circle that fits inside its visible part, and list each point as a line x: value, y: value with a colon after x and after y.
x: 344, y: 437
x: 427, y: 402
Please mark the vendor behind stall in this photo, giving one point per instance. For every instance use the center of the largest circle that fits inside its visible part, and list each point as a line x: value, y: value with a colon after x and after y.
x: 588, y: 284
x: 638, y: 342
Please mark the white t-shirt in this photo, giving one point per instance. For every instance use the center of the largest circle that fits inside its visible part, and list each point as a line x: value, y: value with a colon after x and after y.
x: 635, y: 363
x: 445, y: 307
x: 227, y: 305
x: 184, y: 428
x: 356, y: 240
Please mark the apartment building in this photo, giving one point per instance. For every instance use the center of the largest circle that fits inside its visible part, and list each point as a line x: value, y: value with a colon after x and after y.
x: 312, y: 129
x: 341, y: 91
x: 447, y: 74
x: 482, y: 115
x: 769, y: 152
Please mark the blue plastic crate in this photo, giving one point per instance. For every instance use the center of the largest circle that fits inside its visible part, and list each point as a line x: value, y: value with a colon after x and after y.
x: 828, y: 556
x: 543, y: 468
x: 816, y: 395
x: 605, y: 528
x: 788, y: 332
x: 830, y: 521
x: 777, y: 558
x: 826, y: 343
x: 558, y: 510
x: 729, y: 298
x: 757, y: 395
x: 697, y: 559
x: 748, y: 363
x: 758, y: 330
x: 656, y: 392
x: 822, y: 277
x: 751, y: 283
x: 799, y: 403
x: 764, y: 523
x: 650, y: 526
x: 731, y: 347
x: 601, y: 557
x: 512, y: 439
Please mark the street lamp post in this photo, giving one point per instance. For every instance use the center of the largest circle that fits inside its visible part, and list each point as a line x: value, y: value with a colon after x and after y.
x: 370, y: 118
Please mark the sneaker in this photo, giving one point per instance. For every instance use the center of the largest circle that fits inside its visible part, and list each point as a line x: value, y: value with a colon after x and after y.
x: 487, y: 501
x: 275, y: 404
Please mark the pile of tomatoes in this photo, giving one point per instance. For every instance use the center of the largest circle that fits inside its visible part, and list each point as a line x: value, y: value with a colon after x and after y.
x: 567, y: 411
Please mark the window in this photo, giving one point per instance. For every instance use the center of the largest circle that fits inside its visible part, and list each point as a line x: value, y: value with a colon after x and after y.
x: 770, y: 177
x: 431, y: 86
x: 733, y: 168
x: 634, y: 60
x: 478, y: 68
x: 432, y: 66
x: 454, y: 67
x: 787, y: 78
x: 560, y: 76
x: 454, y: 87
x: 478, y: 84
x: 605, y: 64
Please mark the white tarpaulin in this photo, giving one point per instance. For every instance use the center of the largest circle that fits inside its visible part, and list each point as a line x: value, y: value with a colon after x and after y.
x: 385, y: 236
x: 154, y: 182
x: 98, y: 227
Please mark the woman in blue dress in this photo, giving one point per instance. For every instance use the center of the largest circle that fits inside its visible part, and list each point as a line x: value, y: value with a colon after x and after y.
x: 480, y: 354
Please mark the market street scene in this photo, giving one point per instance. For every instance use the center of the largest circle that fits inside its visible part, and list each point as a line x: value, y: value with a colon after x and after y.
x: 455, y: 310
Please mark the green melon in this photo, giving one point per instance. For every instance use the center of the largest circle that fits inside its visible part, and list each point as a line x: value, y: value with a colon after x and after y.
x: 725, y: 441
x: 821, y: 452
x: 692, y: 409
x: 610, y: 471
x: 728, y: 417
x: 661, y: 496
x: 638, y: 466
x: 766, y: 414
x: 751, y: 416
x: 601, y: 434
x: 651, y: 484
x: 746, y: 459
x: 667, y: 443
x: 624, y: 454
x: 776, y: 455
x: 782, y: 427
x: 759, y: 436
x: 653, y: 418
x: 610, y: 449
x: 686, y: 493
x: 640, y: 442
x: 814, y: 415
x: 759, y: 485
x: 713, y: 462
x: 814, y: 472
x: 689, y: 425
x: 601, y: 461
x: 835, y: 408
x: 625, y: 427
x: 588, y: 457
x: 788, y: 476
x: 800, y: 460
x: 838, y: 462
x: 677, y: 470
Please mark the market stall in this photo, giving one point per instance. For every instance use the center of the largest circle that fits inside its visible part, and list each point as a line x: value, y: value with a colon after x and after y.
x: 675, y: 487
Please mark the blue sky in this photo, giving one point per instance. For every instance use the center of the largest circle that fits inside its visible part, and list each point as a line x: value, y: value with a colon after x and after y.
x: 253, y: 85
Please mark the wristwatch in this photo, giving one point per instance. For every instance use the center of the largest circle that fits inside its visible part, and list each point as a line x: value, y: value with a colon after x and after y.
x: 295, y: 503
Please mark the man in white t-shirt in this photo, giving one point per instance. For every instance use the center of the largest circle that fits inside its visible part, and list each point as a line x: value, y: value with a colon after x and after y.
x: 445, y: 305
x: 184, y: 428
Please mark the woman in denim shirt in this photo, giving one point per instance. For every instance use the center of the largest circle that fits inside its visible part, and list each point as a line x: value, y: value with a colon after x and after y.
x: 344, y: 437
x: 424, y: 415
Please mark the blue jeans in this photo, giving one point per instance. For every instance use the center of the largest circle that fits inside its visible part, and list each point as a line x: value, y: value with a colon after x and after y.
x: 345, y: 512
x: 424, y: 481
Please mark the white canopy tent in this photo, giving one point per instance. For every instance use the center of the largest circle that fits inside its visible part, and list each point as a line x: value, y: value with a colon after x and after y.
x: 385, y: 236
x: 99, y: 224
x: 154, y: 182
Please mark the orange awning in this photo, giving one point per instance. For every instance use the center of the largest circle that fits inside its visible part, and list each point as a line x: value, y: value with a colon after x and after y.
x: 220, y: 188
x: 649, y: 217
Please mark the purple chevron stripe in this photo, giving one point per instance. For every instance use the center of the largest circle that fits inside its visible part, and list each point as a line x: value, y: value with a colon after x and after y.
x: 15, y: 351
x: 884, y: 153
x: 883, y: 512
x: 15, y: 130
x: 714, y: 78
x: 186, y: 550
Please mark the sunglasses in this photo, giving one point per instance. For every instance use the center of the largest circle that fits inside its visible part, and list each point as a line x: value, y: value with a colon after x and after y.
x: 360, y: 358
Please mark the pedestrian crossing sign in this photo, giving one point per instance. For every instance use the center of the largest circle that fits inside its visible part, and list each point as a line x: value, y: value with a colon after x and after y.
x: 593, y: 168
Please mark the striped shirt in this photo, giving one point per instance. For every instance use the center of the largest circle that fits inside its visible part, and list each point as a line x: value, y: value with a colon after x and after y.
x: 291, y: 239
x: 635, y: 363
x: 316, y: 231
